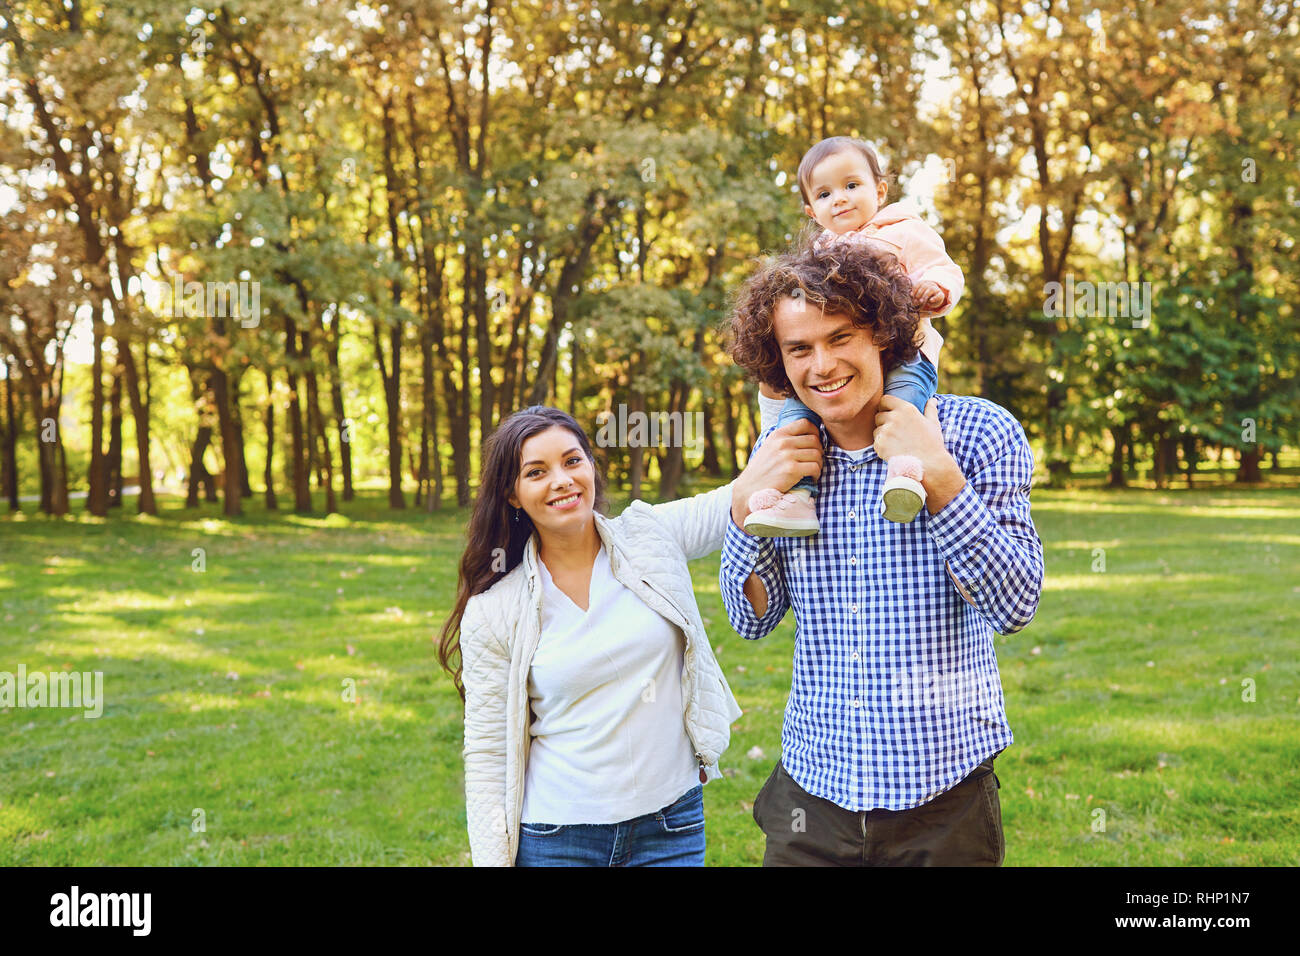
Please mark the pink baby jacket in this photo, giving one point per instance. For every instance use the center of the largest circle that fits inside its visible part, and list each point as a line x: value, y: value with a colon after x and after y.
x: 898, y: 228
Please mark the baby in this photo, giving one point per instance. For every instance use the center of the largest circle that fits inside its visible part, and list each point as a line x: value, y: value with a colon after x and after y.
x: 843, y: 189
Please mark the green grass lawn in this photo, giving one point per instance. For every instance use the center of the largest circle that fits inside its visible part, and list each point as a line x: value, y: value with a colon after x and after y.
x: 225, y: 688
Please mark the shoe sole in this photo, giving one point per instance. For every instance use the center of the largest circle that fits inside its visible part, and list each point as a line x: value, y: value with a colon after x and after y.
x: 772, y: 529
x: 904, y: 498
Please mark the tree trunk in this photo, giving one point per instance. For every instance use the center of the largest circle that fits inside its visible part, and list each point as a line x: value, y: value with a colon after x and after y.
x: 232, y: 504
x: 1189, y: 457
x: 113, y: 462
x: 1248, y: 470
x: 510, y: 395
x: 97, y: 494
x: 575, y: 363
x: 393, y: 404
x: 10, y: 469
x: 301, y: 488
x: 1247, y: 311
x: 436, y: 502
x: 636, y: 452
x: 747, y: 406
x: 431, y: 299
x: 45, y: 391
x: 393, y: 380
x: 332, y: 333
x: 476, y: 292
x: 317, y: 427
x: 430, y: 480
x: 199, y: 474
x: 1164, y: 459
x: 268, y: 476
x: 61, y: 482
x: 237, y: 416
x: 145, y: 504
x: 44, y: 443
x: 729, y: 410
x: 672, y: 464
x: 309, y: 423
x: 711, y: 465
x: 1117, y: 459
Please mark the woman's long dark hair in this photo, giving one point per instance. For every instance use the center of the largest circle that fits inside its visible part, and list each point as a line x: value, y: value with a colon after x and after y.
x: 495, y: 541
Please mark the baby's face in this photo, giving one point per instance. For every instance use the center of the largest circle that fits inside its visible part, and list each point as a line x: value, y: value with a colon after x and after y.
x: 844, y: 193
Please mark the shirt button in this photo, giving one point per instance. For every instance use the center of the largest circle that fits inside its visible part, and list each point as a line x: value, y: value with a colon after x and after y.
x: 854, y: 609
x: 855, y: 702
x: 853, y: 559
x: 855, y: 656
x: 852, y: 515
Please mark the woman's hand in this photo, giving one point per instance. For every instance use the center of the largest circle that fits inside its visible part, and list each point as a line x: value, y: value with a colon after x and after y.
x: 788, y: 454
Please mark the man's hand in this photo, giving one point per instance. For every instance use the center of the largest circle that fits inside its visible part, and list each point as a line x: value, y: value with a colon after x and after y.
x: 788, y: 454
x: 902, y: 430
x: 929, y: 296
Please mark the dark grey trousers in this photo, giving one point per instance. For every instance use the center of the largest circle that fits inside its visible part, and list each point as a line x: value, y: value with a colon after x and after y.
x: 960, y: 827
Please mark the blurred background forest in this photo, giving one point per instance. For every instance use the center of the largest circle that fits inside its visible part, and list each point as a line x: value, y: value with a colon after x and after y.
x: 448, y: 211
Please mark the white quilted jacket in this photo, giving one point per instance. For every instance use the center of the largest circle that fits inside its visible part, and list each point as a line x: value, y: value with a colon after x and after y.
x: 648, y: 547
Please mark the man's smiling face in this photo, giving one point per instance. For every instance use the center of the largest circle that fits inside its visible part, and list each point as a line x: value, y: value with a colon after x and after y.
x: 834, y: 367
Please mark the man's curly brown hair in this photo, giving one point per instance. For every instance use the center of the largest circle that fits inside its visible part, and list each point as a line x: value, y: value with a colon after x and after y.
x: 847, y: 278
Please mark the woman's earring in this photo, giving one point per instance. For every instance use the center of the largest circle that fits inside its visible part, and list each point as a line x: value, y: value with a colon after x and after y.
x: 516, y: 516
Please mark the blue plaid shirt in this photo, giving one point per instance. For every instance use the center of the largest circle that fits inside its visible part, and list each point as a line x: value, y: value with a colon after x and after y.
x: 895, y: 696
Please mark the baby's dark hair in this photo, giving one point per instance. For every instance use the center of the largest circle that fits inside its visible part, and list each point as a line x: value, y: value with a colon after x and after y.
x: 829, y: 147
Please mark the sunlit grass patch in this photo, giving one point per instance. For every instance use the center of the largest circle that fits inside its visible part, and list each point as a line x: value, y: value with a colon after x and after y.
x: 290, y: 689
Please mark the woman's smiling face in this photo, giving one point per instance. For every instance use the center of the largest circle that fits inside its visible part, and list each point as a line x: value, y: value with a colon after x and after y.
x: 556, y: 486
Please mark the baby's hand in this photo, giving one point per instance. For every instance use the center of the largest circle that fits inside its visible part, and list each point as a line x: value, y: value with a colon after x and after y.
x: 929, y: 295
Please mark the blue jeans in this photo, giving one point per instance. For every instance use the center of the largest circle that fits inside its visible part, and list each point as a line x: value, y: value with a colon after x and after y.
x: 915, y: 381
x: 672, y: 836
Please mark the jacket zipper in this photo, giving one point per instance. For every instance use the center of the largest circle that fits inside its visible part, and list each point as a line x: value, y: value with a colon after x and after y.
x: 685, y: 625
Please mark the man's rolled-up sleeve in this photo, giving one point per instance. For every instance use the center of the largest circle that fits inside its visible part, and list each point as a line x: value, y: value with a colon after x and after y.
x: 743, y: 555
x: 988, y: 540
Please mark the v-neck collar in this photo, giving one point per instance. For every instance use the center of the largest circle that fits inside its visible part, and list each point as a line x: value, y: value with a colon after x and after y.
x: 597, y: 567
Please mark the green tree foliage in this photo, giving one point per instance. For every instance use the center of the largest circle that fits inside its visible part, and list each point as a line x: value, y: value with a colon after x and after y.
x: 452, y: 210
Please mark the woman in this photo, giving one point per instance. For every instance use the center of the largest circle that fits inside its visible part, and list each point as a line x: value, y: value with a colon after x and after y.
x: 594, y: 708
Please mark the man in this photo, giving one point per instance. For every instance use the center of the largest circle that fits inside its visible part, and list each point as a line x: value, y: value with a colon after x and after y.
x: 895, y: 711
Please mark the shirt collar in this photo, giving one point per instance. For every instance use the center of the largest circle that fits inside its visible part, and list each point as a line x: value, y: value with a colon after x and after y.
x: 833, y: 451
